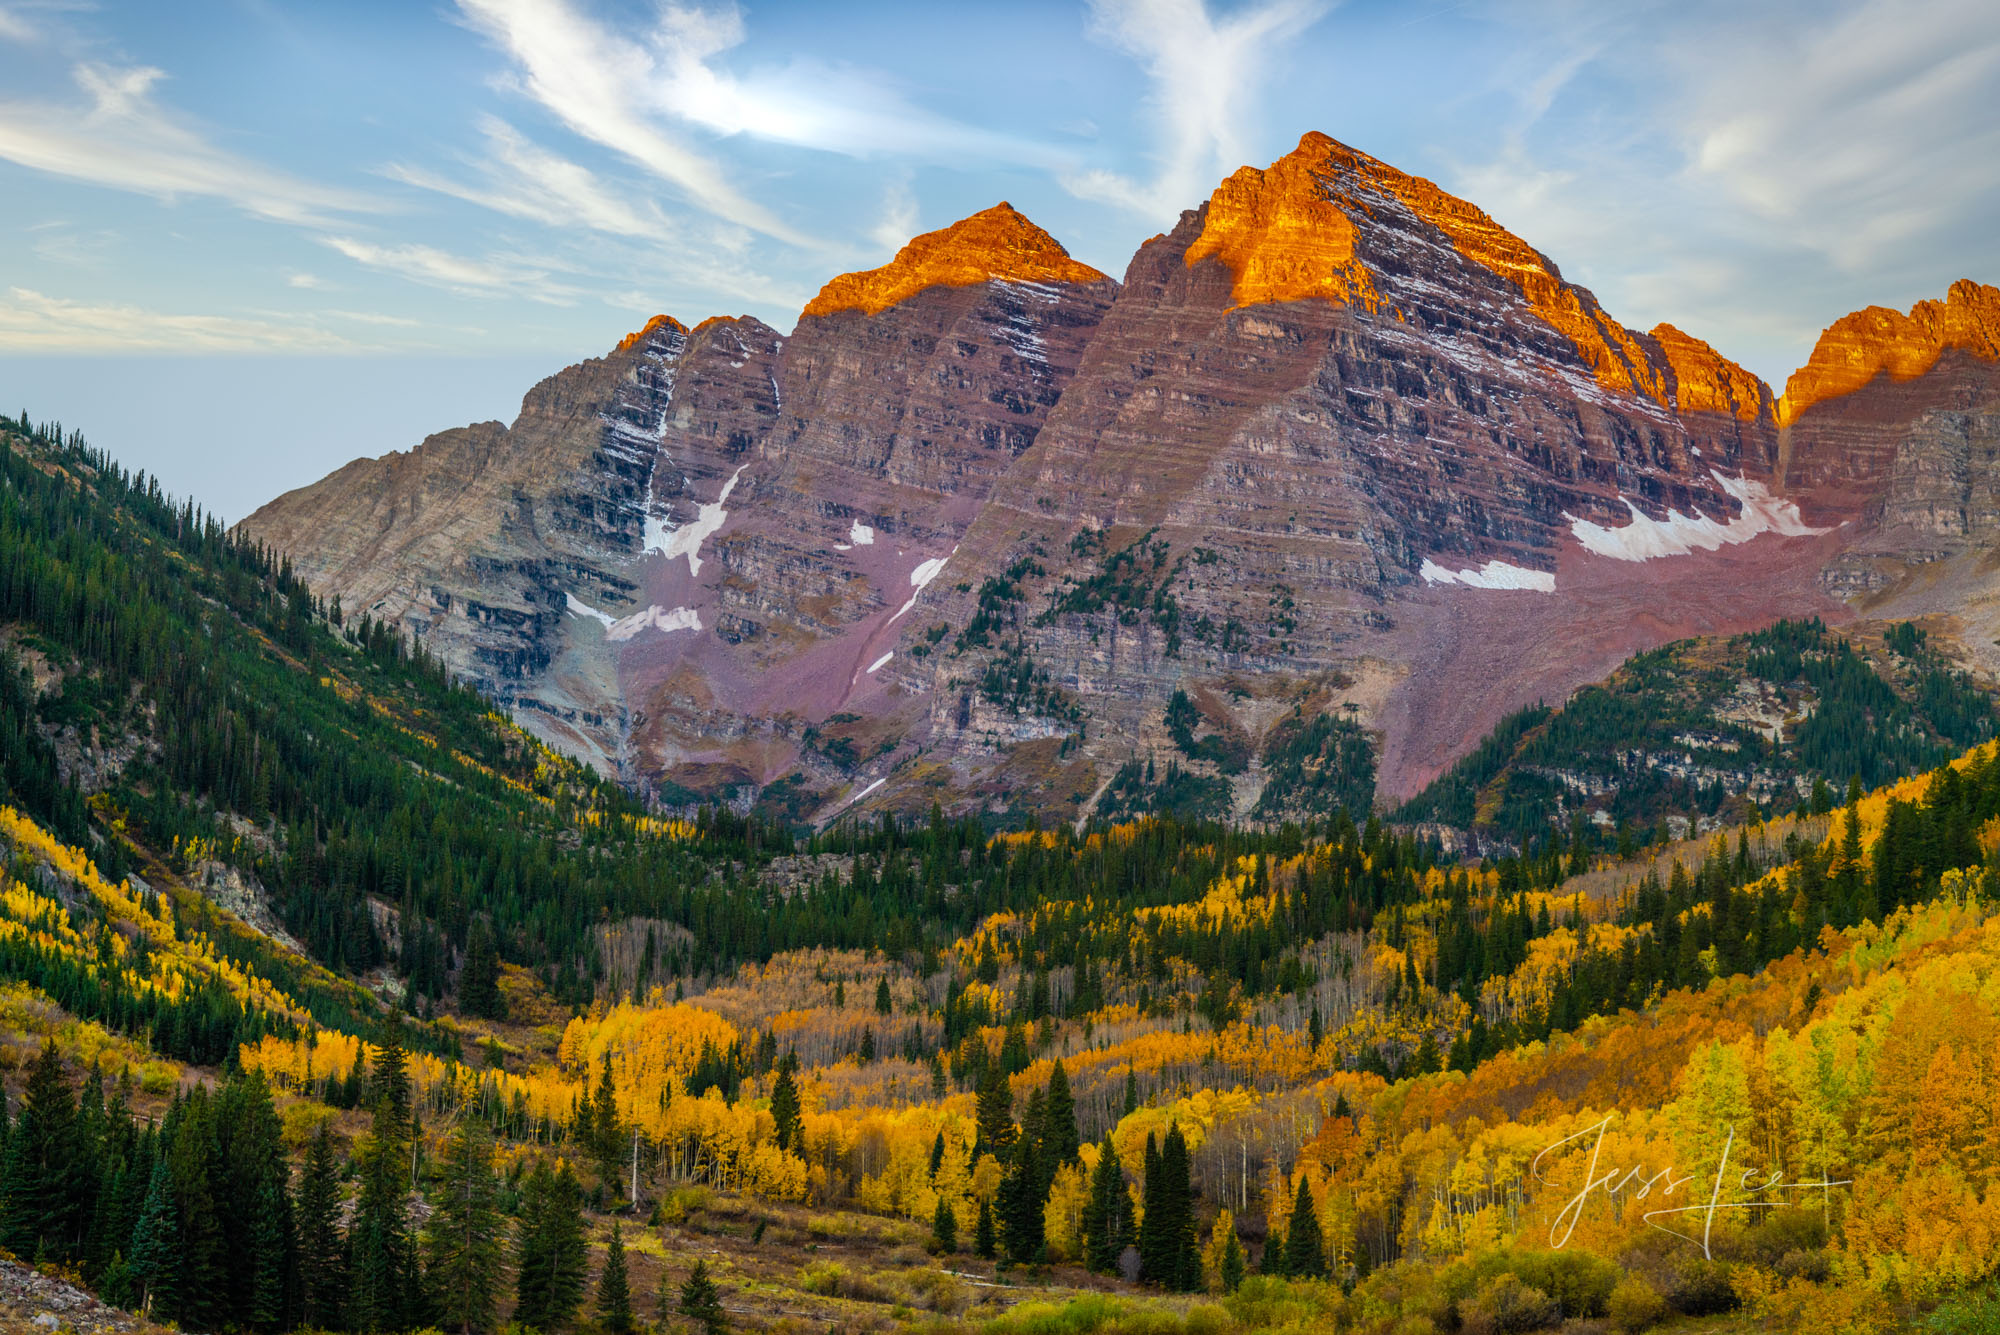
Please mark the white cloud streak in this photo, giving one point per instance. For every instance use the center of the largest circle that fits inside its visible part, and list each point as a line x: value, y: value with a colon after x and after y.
x: 524, y: 180
x: 1205, y: 70
x: 33, y: 322
x: 126, y: 140
x: 1832, y: 126
x: 808, y: 103
x: 490, y: 277
x: 596, y: 84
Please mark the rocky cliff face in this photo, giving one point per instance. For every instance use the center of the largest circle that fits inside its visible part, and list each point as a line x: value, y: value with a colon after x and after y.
x: 1338, y: 439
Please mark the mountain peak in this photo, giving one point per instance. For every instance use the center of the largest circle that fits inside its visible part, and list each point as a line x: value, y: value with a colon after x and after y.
x: 646, y: 331
x: 1708, y: 382
x: 996, y: 243
x: 1290, y: 232
x: 1866, y: 343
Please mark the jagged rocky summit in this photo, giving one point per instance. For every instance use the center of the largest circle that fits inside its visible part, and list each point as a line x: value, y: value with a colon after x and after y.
x: 1338, y: 442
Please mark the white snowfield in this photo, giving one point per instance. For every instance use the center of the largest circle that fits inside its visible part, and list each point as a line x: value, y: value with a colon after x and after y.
x: 881, y: 662
x: 861, y: 535
x: 1678, y: 534
x: 922, y: 576
x: 620, y: 629
x: 668, y: 541
x: 1492, y: 575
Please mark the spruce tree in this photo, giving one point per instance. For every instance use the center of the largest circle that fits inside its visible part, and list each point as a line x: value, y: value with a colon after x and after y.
x: 614, y: 1298
x: 463, y: 1247
x: 155, y: 1263
x: 382, y: 1256
x: 552, y: 1252
x: 205, y: 1252
x: 40, y: 1186
x: 1022, y: 1198
x: 1154, y: 1263
x: 608, y: 1134
x: 479, y: 980
x: 785, y: 1101
x: 1304, y: 1254
x: 1102, y: 1238
x: 944, y: 1228
x: 1181, y: 1258
x: 322, y: 1250
x: 1232, y: 1264
x: 983, y: 1241
x: 1060, y: 1136
x: 994, y: 1112
x: 701, y: 1303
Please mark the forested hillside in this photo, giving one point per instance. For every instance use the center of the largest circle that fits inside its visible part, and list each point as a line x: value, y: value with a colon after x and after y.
x: 506, y: 1045
x: 1709, y: 731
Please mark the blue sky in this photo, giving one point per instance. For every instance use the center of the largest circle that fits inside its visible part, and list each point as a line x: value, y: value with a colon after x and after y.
x: 246, y: 240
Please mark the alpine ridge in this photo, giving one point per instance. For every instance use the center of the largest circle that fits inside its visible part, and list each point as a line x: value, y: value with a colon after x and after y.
x: 1338, y: 444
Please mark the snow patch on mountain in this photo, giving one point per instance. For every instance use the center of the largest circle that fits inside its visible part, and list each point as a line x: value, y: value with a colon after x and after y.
x: 1676, y: 535
x: 620, y: 629
x: 663, y: 537
x: 1492, y: 575
x: 922, y: 576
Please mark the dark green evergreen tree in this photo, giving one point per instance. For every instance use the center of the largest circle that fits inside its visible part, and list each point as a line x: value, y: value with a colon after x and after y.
x: 1103, y: 1238
x: 463, y: 1246
x: 984, y: 1243
x: 785, y: 1100
x: 1022, y: 1198
x: 382, y: 1255
x: 41, y: 1187
x: 1305, y: 1256
x: 1059, y: 1135
x: 155, y: 1263
x: 551, y: 1251
x: 614, y: 1297
x: 479, y: 980
x: 944, y: 1228
x: 701, y: 1303
x: 322, y: 1253
x: 994, y: 1112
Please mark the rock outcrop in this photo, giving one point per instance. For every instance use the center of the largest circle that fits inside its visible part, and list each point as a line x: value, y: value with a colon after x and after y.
x: 1338, y: 438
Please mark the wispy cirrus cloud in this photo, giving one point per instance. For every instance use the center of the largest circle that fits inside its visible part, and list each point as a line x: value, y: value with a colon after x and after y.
x: 31, y: 321
x: 524, y: 180
x: 1205, y: 69
x: 1856, y: 131
x: 489, y: 277
x: 809, y: 103
x: 648, y: 98
x: 598, y: 85
x: 123, y: 138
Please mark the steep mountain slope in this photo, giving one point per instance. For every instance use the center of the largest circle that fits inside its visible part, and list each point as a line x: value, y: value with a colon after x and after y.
x: 1338, y: 438
x: 1702, y: 732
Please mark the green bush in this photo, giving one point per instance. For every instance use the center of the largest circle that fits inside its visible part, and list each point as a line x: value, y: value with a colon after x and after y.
x: 1635, y: 1305
x: 1966, y: 1314
x: 1580, y: 1283
x: 1701, y: 1288
x: 1506, y: 1306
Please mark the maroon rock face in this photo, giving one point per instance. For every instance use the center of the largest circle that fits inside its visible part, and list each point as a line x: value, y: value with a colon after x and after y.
x: 1338, y: 439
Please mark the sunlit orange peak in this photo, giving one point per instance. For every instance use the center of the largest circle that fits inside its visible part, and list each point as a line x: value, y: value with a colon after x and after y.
x: 652, y: 326
x: 1870, y: 342
x: 1708, y: 382
x: 1281, y: 235
x: 995, y: 243
x: 1285, y: 238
